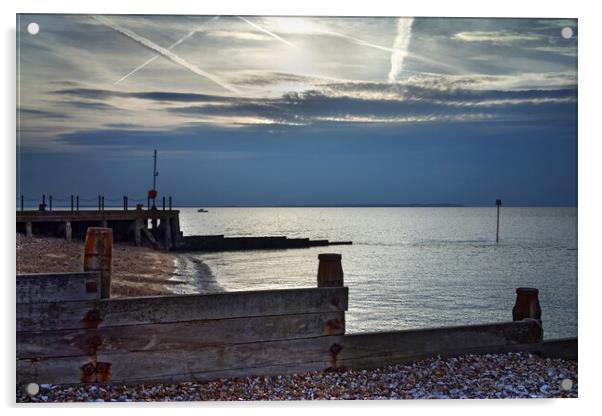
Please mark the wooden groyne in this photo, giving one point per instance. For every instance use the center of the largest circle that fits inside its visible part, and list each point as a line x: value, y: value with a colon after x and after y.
x: 157, y: 228
x: 67, y: 333
x: 221, y: 243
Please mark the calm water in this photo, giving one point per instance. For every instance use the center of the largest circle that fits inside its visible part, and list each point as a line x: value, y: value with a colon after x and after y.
x: 408, y: 267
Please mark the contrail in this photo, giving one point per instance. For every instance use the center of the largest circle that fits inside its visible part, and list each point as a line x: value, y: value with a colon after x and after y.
x: 358, y: 41
x: 400, y: 47
x: 139, y: 67
x: 275, y: 36
x: 166, y: 53
x: 362, y: 42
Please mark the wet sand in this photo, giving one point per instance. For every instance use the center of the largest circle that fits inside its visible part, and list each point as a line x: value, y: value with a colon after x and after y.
x: 137, y: 271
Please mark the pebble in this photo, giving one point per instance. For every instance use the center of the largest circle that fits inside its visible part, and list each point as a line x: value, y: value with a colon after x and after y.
x: 511, y: 375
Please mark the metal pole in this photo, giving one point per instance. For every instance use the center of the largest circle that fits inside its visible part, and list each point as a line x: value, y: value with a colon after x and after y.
x: 498, y: 202
x: 148, y: 202
x: 43, y: 199
x: 102, y: 199
x: 77, y: 203
x: 163, y: 203
x: 126, y: 203
x: 170, y: 203
x: 50, y: 202
x: 155, y: 169
x: 22, y: 202
x: 154, y: 174
x: 71, y: 203
x: 99, y: 202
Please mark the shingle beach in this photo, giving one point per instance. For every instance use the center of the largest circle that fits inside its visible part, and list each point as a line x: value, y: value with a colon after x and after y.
x: 511, y: 375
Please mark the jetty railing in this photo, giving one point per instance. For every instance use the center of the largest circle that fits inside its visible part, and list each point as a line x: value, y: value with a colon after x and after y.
x: 68, y: 333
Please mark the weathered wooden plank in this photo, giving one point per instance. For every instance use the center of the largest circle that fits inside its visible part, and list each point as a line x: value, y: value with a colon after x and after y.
x: 353, y: 351
x: 565, y: 348
x: 178, y: 335
x: 183, y: 365
x: 57, y: 287
x: 178, y: 308
x: 384, y: 348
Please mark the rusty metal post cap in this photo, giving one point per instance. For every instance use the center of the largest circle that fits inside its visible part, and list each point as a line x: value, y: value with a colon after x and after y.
x: 329, y: 256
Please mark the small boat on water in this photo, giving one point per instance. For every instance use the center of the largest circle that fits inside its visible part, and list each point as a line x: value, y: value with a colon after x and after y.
x: 201, y: 210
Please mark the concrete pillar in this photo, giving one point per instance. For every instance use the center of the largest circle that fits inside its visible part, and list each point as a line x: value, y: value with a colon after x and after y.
x: 330, y: 270
x: 137, y: 231
x: 28, y: 229
x: 68, y: 231
x: 166, y: 223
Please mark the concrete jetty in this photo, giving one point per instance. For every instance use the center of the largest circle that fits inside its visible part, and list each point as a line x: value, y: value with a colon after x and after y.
x: 155, y: 228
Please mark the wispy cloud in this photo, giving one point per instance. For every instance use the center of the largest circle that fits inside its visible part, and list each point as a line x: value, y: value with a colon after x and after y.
x: 496, y: 37
x: 237, y: 35
x: 166, y: 53
x: 412, y: 100
x: 400, y: 47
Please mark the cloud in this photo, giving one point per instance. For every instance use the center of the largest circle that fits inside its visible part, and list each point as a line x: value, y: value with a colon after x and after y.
x: 35, y: 113
x: 413, y: 100
x: 166, y: 52
x: 379, y: 103
x: 497, y: 37
x: 237, y: 35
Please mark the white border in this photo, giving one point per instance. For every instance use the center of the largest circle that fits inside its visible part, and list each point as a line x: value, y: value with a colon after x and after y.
x: 589, y: 182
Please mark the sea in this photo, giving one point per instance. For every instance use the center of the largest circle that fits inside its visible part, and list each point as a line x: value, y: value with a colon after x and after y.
x: 407, y: 267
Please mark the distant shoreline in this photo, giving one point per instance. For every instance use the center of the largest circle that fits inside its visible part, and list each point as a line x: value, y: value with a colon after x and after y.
x: 93, y: 208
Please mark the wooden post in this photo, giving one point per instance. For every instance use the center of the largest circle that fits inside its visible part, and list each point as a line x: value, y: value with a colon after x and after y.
x: 330, y: 270
x: 527, y: 304
x: 498, y: 202
x: 98, y: 254
x: 68, y: 231
x: 28, y: 229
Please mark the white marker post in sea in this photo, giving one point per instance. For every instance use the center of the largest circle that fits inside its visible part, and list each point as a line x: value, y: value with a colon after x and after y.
x: 498, y: 203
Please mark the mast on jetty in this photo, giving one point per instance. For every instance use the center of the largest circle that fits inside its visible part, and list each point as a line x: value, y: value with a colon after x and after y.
x: 152, y: 194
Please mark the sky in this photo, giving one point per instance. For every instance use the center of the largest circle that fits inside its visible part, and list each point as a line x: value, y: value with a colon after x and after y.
x: 261, y: 111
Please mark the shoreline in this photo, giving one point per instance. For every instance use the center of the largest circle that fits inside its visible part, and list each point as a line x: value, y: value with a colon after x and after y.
x: 136, y: 271
x: 193, y: 275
